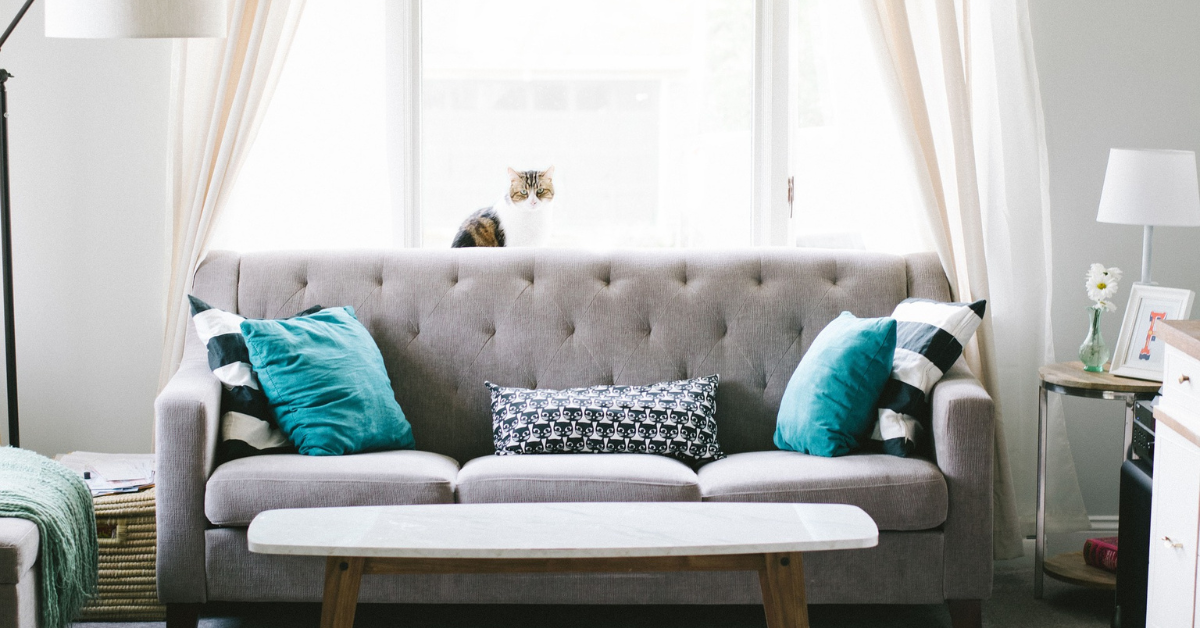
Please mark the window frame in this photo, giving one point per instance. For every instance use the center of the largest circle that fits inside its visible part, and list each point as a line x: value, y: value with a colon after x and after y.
x: 770, y: 122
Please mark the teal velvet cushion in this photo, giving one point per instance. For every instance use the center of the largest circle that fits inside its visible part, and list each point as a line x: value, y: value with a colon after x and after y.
x: 325, y: 380
x: 828, y: 407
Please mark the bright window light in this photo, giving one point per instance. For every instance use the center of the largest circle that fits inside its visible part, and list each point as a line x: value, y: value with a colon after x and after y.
x: 643, y: 107
x: 855, y: 182
x: 317, y: 175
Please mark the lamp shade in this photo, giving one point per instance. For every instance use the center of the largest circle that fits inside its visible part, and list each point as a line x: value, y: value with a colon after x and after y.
x: 101, y: 19
x: 1150, y: 187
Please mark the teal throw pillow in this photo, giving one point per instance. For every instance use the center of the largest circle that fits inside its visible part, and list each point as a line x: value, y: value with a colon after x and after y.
x: 325, y: 380
x: 828, y: 407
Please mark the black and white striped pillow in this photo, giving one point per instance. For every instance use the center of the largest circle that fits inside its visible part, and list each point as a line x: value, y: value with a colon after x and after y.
x: 930, y: 337
x: 247, y: 424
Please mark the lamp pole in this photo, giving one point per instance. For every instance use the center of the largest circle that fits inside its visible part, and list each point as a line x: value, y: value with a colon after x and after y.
x: 10, y: 329
x: 1147, y: 247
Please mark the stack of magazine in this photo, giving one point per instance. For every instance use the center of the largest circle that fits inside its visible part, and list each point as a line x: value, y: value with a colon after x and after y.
x: 106, y: 474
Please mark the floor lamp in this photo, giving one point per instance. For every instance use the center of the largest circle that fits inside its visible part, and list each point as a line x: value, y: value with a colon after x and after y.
x: 92, y: 19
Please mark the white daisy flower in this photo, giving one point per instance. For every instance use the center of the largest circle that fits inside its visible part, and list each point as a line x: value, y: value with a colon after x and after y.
x: 1100, y: 288
x: 1098, y: 273
x: 1102, y: 285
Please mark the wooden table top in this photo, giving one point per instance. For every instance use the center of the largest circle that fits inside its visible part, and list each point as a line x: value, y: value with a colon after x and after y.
x: 1183, y: 335
x: 1072, y: 375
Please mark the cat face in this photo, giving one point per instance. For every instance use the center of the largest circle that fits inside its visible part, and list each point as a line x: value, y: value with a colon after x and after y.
x: 531, y: 189
x: 563, y: 427
x: 627, y: 429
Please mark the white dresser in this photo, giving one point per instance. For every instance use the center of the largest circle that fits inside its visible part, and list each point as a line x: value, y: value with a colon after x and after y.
x: 1175, y: 519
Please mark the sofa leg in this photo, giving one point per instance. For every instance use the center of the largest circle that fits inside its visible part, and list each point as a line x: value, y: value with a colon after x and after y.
x: 185, y: 615
x: 966, y: 613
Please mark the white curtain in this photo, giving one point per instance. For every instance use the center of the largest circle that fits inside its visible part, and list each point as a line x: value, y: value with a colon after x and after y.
x: 220, y: 89
x: 967, y: 89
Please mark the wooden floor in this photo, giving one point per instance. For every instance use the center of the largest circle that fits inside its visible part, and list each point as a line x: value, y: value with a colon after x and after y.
x: 1012, y: 606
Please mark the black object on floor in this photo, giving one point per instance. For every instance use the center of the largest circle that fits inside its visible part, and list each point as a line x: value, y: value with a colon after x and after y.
x: 1133, y: 543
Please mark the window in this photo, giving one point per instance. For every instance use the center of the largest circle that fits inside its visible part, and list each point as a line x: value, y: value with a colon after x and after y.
x: 647, y: 121
x: 664, y: 130
x: 854, y: 183
x: 317, y: 175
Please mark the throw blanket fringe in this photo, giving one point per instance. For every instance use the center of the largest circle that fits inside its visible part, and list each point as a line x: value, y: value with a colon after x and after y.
x: 45, y: 492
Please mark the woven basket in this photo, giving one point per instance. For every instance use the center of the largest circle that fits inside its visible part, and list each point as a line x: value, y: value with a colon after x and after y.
x: 127, y: 535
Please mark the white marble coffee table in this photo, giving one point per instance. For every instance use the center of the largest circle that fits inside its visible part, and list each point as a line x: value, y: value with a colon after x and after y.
x: 565, y: 537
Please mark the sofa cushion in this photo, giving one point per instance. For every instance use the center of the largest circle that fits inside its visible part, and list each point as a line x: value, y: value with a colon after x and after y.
x: 675, y: 419
x: 327, y: 383
x: 247, y: 425
x: 930, y: 337
x: 18, y: 548
x: 573, y: 478
x: 828, y: 407
x: 240, y: 489
x: 898, y: 493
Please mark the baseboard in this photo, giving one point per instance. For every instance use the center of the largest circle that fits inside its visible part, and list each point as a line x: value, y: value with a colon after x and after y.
x: 1102, y: 525
x: 1097, y: 523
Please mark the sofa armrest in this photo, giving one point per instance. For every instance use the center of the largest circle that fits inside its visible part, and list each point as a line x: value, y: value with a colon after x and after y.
x: 186, y: 418
x: 963, y: 434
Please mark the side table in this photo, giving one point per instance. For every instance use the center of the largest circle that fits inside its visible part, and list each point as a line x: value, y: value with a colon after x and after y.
x: 1069, y: 378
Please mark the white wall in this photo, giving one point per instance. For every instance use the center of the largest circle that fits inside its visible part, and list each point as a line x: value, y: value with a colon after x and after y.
x: 1113, y: 74
x: 87, y: 124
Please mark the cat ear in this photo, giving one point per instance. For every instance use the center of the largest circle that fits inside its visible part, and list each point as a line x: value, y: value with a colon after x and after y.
x: 513, y: 175
x: 548, y: 172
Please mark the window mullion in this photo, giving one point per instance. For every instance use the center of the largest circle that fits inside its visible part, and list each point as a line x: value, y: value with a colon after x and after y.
x: 771, y: 132
x: 404, y: 118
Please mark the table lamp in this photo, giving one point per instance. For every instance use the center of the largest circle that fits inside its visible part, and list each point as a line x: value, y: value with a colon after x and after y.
x: 88, y: 19
x: 1150, y: 188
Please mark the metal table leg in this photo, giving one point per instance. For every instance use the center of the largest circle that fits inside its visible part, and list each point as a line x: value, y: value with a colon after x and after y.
x: 1130, y: 410
x: 1039, y: 556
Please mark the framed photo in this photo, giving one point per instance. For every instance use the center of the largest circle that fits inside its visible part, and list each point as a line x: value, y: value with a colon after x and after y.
x: 1139, y: 351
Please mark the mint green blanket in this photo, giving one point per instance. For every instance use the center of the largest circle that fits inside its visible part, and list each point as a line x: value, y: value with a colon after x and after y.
x: 43, y: 491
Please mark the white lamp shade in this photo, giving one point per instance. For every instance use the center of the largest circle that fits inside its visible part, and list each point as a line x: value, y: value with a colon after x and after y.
x: 102, y: 19
x: 1151, y: 187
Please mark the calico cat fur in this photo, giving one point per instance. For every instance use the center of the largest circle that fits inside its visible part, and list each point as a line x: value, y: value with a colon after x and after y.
x: 481, y: 228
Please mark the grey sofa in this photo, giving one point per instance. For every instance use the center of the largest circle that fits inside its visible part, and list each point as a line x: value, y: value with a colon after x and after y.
x: 447, y: 320
x: 18, y: 573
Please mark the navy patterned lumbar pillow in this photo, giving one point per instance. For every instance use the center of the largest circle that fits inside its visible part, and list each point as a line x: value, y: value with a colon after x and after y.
x: 930, y: 336
x: 676, y: 419
x: 247, y: 424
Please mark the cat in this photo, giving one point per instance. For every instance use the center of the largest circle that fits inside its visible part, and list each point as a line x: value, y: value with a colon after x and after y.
x: 521, y: 218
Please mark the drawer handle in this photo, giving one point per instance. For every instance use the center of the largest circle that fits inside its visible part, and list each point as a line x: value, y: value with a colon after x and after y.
x: 1184, y: 378
x: 1169, y: 544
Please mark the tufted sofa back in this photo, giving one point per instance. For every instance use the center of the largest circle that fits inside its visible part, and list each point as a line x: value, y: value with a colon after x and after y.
x: 446, y: 320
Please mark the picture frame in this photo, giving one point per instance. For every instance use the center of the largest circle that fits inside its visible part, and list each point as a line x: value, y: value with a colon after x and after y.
x: 1139, y: 351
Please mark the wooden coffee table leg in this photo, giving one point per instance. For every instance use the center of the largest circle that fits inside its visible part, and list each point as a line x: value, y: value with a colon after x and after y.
x: 782, y: 582
x: 342, y: 576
